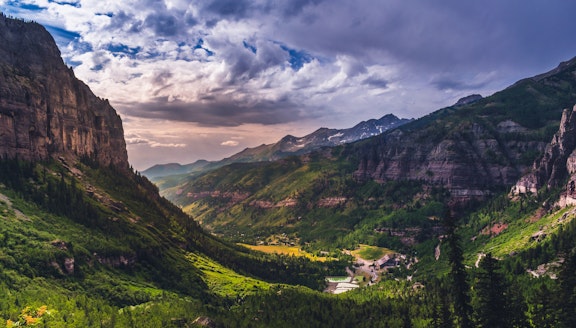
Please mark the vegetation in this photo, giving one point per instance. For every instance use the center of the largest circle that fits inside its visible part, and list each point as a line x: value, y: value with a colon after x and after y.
x: 233, y: 286
x: 367, y: 252
x: 286, y: 250
x: 89, y: 246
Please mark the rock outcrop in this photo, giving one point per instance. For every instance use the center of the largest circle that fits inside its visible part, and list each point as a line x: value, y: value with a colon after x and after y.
x: 468, y: 100
x: 470, y: 161
x: 45, y: 111
x: 556, y: 164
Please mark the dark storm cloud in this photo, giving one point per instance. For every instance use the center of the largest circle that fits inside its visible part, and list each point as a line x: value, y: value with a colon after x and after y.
x: 454, y: 84
x: 219, y: 111
x: 245, y: 9
x: 433, y: 36
x: 236, y: 9
x: 376, y: 82
x: 244, y: 63
x: 295, y: 7
x: 163, y: 24
x: 122, y: 19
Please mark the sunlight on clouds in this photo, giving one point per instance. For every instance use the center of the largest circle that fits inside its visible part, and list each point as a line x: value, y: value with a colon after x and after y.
x: 230, y: 143
x: 158, y: 144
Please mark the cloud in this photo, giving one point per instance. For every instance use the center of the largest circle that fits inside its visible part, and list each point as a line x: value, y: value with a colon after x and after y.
x: 133, y: 139
x: 165, y: 145
x: 236, y: 9
x: 230, y: 143
x: 162, y: 24
x: 376, y: 81
x: 456, y: 84
x: 449, y: 81
x: 218, y: 110
x: 304, y: 63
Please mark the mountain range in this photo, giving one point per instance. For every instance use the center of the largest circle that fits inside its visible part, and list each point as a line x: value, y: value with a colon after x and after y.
x: 468, y: 152
x: 287, y: 146
x: 463, y: 217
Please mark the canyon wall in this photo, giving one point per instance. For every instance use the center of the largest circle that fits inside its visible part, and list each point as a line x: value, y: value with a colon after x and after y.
x: 45, y: 111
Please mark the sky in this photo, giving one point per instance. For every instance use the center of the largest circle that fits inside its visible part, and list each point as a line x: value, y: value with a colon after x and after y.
x: 206, y: 79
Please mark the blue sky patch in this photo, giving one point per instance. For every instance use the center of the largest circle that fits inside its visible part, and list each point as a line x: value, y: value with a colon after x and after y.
x: 123, y: 50
x: 69, y: 3
x: 16, y: 7
x: 25, y: 6
x: 109, y: 14
x: 98, y: 67
x: 200, y: 45
x: 297, y: 57
x: 72, y: 63
x: 62, y: 36
x: 249, y: 46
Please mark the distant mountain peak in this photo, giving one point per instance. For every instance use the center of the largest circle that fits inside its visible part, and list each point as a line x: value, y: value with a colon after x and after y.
x: 291, y: 145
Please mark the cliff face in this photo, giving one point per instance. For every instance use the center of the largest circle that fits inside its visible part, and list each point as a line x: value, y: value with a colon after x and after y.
x: 471, y: 160
x: 45, y: 111
x: 557, y: 164
x: 488, y: 144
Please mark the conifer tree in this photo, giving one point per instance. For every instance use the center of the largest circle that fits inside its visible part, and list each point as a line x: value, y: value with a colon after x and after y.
x: 491, y: 299
x: 458, y: 276
x: 543, y: 312
x: 567, y: 293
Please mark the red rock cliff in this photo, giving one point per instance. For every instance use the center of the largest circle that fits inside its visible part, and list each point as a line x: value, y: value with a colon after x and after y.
x: 45, y: 111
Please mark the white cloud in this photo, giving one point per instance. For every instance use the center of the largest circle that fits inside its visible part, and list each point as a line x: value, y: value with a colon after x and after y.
x: 230, y: 143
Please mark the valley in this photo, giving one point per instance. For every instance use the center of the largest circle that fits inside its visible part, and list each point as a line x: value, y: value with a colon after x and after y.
x: 462, y: 218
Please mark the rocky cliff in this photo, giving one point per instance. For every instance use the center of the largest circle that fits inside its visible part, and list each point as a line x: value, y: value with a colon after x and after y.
x: 485, y: 145
x: 557, y: 165
x: 45, y: 111
x: 471, y: 158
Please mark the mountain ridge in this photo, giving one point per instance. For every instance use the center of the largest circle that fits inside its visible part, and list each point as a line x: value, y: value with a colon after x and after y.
x: 458, y: 155
x: 287, y: 146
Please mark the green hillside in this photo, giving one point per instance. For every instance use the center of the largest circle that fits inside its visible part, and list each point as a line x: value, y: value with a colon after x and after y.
x: 99, y: 246
x: 339, y: 196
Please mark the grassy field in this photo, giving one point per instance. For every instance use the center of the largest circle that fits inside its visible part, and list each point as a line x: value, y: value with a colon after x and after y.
x: 370, y: 253
x: 224, y: 281
x: 519, y: 232
x: 286, y: 250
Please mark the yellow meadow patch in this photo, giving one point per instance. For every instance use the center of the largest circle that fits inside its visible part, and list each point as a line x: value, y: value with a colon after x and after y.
x: 286, y: 250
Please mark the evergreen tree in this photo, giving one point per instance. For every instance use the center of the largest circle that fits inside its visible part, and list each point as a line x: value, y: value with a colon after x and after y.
x: 491, y: 299
x: 543, y: 312
x: 567, y: 293
x: 517, y: 306
x: 441, y: 316
x: 458, y: 276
